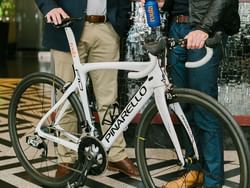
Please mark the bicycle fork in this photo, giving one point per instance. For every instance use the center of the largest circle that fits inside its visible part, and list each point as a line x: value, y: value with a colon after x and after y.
x: 162, y: 106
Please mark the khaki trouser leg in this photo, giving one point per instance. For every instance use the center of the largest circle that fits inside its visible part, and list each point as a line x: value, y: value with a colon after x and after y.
x: 104, y: 81
x: 105, y: 84
x: 103, y: 45
x: 63, y: 69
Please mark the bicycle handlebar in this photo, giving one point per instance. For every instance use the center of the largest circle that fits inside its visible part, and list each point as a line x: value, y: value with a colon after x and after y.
x: 158, y: 47
x: 195, y: 64
x: 210, y: 42
x: 203, y: 61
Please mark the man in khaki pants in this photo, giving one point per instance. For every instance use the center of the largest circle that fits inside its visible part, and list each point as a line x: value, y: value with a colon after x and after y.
x: 98, y: 40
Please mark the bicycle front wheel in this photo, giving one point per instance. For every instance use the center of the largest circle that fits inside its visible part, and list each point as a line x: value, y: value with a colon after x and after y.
x: 32, y: 98
x: 156, y: 156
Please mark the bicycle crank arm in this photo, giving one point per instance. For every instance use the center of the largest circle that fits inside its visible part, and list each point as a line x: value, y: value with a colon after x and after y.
x: 83, y: 177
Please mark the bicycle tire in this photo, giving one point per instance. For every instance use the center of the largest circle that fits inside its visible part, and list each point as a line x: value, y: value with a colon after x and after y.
x: 30, y: 100
x: 156, y: 158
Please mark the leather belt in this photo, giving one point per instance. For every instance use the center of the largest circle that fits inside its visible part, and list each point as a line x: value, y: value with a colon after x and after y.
x: 96, y: 19
x: 181, y: 19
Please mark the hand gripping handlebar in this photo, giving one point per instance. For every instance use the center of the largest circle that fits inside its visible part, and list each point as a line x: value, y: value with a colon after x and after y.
x: 210, y: 42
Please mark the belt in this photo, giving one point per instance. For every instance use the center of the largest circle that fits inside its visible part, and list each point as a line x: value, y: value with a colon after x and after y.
x: 96, y: 19
x: 181, y: 19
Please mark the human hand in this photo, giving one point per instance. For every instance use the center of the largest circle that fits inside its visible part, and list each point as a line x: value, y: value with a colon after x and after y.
x: 56, y: 15
x: 196, y: 39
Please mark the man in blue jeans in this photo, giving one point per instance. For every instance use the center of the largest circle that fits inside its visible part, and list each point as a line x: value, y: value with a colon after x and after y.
x: 197, y: 20
x: 207, y: 130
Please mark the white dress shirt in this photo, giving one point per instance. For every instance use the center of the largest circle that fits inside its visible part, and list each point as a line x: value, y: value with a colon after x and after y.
x: 96, y: 7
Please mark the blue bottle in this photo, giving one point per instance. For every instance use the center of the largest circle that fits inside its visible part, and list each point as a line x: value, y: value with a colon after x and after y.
x: 152, y: 13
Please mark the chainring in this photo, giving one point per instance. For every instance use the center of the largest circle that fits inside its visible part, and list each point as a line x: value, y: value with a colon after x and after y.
x: 92, y: 146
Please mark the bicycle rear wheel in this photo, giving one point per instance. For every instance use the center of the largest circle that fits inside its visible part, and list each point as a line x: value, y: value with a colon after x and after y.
x: 157, y: 159
x: 32, y: 98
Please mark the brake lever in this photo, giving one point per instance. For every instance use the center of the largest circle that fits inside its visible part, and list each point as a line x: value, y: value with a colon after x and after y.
x: 172, y: 42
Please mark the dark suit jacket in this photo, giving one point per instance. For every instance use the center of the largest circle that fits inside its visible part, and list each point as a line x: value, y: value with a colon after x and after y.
x: 117, y: 13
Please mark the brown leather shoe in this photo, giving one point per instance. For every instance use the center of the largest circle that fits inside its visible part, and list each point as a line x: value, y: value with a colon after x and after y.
x: 63, y: 169
x: 124, y: 166
x: 191, y: 179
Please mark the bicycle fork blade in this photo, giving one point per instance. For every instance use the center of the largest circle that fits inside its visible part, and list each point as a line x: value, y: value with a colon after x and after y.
x: 83, y: 177
x: 176, y: 108
x: 165, y: 115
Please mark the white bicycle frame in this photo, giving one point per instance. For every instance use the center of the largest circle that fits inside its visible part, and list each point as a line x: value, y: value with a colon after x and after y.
x: 155, y: 84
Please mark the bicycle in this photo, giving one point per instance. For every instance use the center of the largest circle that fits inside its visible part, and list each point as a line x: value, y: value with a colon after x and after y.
x: 36, y: 141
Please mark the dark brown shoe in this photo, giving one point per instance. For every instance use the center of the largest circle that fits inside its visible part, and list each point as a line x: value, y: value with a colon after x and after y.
x: 63, y: 169
x: 124, y: 166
